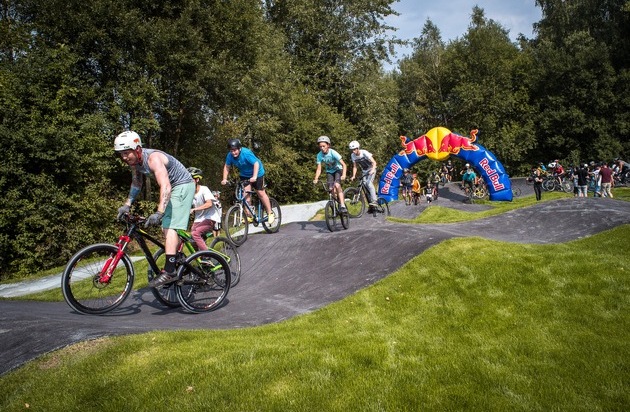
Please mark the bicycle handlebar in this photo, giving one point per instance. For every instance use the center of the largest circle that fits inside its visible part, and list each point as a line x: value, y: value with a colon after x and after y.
x: 132, y: 218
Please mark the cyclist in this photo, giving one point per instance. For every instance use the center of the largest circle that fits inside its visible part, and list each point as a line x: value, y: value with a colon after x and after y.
x: 416, y: 189
x: 335, y: 169
x: 449, y: 170
x: 177, y: 190
x: 435, y: 180
x: 468, y: 178
x: 252, y: 172
x: 205, y: 211
x: 368, y: 166
x: 406, y: 181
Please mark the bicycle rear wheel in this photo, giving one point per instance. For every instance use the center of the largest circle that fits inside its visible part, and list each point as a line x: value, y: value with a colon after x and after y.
x: 275, y: 208
x: 92, y: 285
x: 236, y: 226
x: 225, y: 247
x: 204, y: 281
x: 355, y: 201
x: 166, y: 294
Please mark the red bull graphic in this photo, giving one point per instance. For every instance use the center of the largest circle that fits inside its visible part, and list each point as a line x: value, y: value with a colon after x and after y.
x: 438, y: 144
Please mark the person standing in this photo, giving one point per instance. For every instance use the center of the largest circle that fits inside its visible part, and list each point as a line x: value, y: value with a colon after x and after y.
x: 205, y: 211
x: 251, y: 171
x: 607, y: 179
x: 177, y: 190
x: 582, y: 177
x: 538, y: 180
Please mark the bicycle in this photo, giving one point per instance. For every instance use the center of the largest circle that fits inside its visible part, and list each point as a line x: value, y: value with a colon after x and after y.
x: 551, y: 183
x: 238, y: 217
x: 356, y: 198
x: 99, y: 277
x: 332, y: 213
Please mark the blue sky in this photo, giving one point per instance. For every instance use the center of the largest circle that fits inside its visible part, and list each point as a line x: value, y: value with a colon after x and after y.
x: 452, y: 17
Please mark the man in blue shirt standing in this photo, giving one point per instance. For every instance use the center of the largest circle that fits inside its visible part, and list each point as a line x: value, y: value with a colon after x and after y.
x: 251, y: 171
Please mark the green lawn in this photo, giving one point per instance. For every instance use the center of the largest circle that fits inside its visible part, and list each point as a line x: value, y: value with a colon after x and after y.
x: 470, y: 324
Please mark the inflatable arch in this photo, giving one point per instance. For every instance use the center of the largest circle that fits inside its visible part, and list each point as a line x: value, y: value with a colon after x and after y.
x: 438, y: 144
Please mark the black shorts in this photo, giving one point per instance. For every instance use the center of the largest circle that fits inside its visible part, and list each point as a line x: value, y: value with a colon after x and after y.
x: 259, y: 184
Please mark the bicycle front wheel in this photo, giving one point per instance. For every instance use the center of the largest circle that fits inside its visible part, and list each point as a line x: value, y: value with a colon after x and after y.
x: 355, y: 201
x: 204, y: 281
x: 330, y: 213
x: 225, y: 247
x: 275, y: 208
x: 166, y: 294
x: 95, y: 282
x: 236, y: 226
x: 548, y: 185
x: 516, y: 191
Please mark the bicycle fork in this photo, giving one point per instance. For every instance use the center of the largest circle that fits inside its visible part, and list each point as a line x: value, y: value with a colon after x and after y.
x: 111, y: 263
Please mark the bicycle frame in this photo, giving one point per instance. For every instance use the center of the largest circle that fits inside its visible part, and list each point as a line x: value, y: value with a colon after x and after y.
x: 241, y: 199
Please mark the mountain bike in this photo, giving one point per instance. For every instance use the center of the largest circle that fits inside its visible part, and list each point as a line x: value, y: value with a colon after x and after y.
x: 357, y: 198
x: 551, y: 183
x: 237, y: 219
x: 332, y: 213
x: 99, y: 277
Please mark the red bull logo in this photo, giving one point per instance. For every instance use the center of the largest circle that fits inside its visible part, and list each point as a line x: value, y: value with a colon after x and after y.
x: 389, y: 178
x: 422, y: 145
x: 452, y: 143
x: 493, y: 175
x: 438, y: 144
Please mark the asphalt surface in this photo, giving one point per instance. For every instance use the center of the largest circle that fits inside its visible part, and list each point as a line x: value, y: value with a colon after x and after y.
x: 301, y: 268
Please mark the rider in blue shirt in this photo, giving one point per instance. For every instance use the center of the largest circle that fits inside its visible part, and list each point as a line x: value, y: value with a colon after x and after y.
x: 335, y: 169
x: 251, y: 171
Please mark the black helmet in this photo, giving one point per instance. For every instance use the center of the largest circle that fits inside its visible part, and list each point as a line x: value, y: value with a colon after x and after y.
x: 234, y: 144
x: 195, y: 173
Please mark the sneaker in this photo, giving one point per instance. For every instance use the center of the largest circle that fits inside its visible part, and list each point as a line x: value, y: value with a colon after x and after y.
x: 342, y: 209
x: 271, y: 217
x: 374, y: 204
x: 250, y: 219
x: 164, y: 279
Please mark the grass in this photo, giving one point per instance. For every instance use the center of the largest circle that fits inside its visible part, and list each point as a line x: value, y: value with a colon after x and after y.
x: 469, y: 324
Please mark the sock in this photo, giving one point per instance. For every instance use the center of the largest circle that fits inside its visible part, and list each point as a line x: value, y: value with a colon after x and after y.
x: 170, y: 264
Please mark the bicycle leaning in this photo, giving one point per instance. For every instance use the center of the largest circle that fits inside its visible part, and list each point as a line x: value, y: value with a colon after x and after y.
x: 242, y: 213
x: 99, y: 277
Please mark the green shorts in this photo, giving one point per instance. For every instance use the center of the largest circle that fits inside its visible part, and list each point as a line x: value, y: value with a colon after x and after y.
x: 177, y: 211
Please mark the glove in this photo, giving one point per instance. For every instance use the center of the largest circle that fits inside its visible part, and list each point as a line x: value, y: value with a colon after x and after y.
x: 122, y: 211
x: 154, y: 219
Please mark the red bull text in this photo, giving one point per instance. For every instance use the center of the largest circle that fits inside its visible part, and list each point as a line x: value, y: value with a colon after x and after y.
x: 493, y: 175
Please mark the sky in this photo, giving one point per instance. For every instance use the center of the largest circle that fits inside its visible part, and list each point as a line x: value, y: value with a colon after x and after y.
x: 452, y: 17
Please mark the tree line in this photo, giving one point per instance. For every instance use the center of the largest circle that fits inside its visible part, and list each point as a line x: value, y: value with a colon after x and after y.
x: 188, y: 75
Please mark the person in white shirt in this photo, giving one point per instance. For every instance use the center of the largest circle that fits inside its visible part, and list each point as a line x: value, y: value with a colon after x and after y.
x: 204, y: 207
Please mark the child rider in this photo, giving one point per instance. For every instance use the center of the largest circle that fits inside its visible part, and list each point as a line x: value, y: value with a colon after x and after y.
x: 335, y: 169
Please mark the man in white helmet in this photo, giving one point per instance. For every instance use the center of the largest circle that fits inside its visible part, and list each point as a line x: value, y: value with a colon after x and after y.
x: 177, y: 191
x: 365, y: 160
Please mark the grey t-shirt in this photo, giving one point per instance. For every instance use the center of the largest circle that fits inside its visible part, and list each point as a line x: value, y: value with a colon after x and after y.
x: 364, y: 160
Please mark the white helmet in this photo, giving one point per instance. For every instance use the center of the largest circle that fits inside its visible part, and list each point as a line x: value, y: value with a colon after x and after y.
x: 467, y: 165
x: 325, y: 139
x: 354, y: 145
x: 127, y: 140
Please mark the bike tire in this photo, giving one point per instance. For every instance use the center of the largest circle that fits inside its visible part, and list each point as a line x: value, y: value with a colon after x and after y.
x: 382, y: 208
x: 166, y: 294
x: 204, y: 280
x: 548, y: 185
x: 236, y: 226
x: 567, y: 187
x: 224, y: 246
x: 80, y: 284
x: 355, y: 201
x: 479, y: 193
x: 275, y: 226
x: 516, y: 191
x: 344, y: 218
x: 331, y: 216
